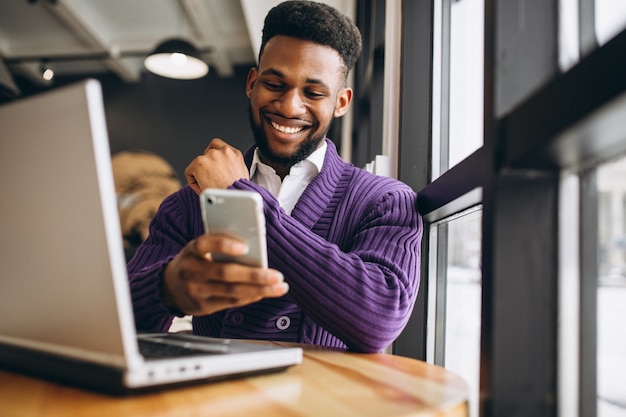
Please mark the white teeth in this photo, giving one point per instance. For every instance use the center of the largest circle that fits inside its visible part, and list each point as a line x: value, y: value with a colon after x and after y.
x: 285, y: 129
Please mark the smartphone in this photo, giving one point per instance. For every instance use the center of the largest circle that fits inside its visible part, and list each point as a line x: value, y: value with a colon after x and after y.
x: 237, y: 213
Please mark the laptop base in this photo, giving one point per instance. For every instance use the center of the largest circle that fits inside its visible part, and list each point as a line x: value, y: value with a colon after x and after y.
x: 91, y: 376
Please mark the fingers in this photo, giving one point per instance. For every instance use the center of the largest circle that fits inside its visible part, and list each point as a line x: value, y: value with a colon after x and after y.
x: 219, y: 145
x: 207, y: 243
x: 194, y: 171
x: 218, y: 167
x: 192, y: 181
x: 209, y: 296
x: 195, y: 285
x: 216, y: 143
x: 236, y: 291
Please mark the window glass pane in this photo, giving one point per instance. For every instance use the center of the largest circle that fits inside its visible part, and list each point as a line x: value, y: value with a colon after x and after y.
x: 611, y: 354
x: 466, y: 79
x: 463, y: 301
x: 569, y: 45
x: 610, y: 19
x: 437, y: 93
x: 455, y: 298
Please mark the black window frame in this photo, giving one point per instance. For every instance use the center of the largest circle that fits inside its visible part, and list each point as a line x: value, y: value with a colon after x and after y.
x: 545, y: 123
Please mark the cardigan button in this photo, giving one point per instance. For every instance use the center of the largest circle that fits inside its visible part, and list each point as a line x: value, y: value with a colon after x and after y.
x: 236, y: 318
x: 283, y: 322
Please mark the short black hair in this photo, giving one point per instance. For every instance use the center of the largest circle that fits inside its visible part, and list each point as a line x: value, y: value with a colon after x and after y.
x: 315, y: 22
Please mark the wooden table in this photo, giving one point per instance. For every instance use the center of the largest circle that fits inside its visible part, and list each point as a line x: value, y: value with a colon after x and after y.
x: 327, y: 383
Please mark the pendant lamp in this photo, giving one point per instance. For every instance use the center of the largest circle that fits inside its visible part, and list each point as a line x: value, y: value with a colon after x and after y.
x: 176, y: 58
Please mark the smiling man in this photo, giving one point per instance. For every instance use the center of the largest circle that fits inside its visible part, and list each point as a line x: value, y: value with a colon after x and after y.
x: 343, y: 244
x: 294, y: 95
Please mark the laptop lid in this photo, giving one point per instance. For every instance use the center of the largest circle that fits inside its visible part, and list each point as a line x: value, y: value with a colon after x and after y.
x: 61, y: 249
x: 64, y: 295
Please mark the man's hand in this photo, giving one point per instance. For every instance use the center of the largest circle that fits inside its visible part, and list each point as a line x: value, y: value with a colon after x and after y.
x: 218, y: 167
x: 195, y: 285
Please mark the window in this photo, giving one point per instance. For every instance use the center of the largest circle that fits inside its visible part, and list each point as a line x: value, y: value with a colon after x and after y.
x: 466, y: 79
x: 610, y: 19
x: 453, y: 338
x: 457, y: 82
x: 455, y: 298
x: 611, y: 292
x: 534, y: 189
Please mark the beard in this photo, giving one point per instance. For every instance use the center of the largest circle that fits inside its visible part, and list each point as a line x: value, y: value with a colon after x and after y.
x: 303, y: 151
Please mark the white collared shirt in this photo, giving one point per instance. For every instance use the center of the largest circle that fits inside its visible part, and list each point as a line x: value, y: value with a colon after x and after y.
x: 291, y: 188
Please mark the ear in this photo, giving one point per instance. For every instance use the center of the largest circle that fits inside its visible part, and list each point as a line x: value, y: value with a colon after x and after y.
x: 343, y: 102
x: 252, y: 76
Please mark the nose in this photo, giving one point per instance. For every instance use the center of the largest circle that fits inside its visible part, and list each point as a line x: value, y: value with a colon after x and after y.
x: 291, y: 103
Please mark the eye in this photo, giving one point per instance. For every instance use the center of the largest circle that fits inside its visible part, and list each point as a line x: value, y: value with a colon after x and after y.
x: 314, y: 94
x: 272, y: 85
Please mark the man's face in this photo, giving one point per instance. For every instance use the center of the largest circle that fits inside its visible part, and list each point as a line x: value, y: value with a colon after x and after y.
x: 295, y: 93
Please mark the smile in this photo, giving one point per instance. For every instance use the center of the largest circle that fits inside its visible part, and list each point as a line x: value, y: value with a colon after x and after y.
x: 286, y: 129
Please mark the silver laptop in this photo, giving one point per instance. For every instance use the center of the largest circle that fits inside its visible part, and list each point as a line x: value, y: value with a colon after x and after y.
x: 64, y: 295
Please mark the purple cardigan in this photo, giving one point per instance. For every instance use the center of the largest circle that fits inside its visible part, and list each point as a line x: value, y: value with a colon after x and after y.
x: 350, y: 252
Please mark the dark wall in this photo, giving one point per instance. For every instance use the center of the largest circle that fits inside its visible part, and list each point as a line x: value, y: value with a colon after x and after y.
x: 367, y: 138
x: 176, y: 119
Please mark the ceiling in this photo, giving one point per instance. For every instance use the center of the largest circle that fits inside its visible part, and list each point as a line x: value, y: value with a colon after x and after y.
x: 76, y: 37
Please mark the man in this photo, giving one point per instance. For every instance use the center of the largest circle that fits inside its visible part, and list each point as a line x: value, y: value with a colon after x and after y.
x: 343, y: 244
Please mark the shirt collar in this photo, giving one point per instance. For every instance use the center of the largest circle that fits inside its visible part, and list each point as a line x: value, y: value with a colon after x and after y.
x: 316, y: 158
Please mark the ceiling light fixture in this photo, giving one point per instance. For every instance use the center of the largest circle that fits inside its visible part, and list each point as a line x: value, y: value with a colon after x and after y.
x: 176, y: 58
x: 47, y: 73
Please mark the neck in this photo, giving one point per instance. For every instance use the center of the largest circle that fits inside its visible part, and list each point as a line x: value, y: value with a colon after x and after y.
x: 282, y: 170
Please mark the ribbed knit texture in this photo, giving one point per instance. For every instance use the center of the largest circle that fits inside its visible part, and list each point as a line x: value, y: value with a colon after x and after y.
x: 350, y: 252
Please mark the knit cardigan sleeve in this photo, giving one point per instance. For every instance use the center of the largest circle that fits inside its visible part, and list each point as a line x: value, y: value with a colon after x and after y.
x: 174, y: 225
x: 360, y: 280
